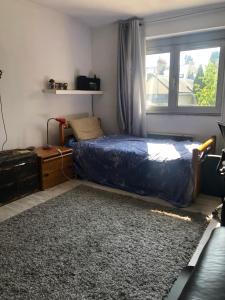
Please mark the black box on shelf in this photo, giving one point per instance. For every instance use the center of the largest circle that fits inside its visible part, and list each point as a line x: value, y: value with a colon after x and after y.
x: 88, y: 83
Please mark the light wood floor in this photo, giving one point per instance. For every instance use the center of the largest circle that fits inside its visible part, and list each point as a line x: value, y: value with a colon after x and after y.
x: 204, y: 204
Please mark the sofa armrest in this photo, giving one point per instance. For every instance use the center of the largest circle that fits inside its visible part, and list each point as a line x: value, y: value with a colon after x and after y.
x: 208, y: 278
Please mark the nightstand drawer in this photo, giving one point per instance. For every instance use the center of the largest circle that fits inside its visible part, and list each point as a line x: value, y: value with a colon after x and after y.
x: 51, y: 178
x: 55, y: 163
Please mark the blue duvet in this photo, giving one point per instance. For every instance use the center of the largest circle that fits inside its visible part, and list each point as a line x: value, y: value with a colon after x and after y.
x: 144, y: 166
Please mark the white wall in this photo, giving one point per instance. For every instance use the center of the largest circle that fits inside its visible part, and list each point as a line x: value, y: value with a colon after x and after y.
x: 105, y: 48
x: 36, y: 44
x: 105, y: 65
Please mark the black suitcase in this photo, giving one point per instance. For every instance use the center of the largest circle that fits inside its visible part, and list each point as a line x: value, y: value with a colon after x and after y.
x: 19, y: 174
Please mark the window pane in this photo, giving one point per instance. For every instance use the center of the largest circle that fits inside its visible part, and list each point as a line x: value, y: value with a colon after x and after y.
x: 157, y: 79
x: 198, y: 77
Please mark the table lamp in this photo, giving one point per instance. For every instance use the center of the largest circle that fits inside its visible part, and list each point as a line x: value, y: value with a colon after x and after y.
x: 61, y: 121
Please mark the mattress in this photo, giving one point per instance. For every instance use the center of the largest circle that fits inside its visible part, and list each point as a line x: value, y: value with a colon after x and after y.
x: 146, y: 166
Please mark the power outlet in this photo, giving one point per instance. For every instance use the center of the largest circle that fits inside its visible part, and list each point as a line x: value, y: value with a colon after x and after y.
x: 1, y: 72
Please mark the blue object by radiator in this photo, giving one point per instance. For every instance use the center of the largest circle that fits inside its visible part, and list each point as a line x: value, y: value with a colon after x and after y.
x: 144, y: 166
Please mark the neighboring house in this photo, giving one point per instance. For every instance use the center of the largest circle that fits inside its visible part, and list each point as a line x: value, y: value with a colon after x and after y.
x: 157, y: 90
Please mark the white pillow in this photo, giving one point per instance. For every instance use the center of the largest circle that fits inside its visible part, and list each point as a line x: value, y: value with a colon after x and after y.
x: 86, y: 128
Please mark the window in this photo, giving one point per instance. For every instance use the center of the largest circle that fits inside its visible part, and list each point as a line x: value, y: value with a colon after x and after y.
x: 185, y: 74
x: 158, y: 75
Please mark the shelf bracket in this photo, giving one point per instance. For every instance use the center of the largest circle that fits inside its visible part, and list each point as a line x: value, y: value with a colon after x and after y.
x: 92, y: 105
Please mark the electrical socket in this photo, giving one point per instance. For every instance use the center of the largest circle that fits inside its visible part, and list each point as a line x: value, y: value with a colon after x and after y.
x: 1, y: 72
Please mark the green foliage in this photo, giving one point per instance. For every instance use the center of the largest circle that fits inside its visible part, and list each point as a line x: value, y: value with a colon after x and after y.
x: 198, y: 82
x: 206, y: 84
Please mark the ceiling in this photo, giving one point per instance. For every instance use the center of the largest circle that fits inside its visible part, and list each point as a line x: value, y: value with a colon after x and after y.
x: 101, y: 12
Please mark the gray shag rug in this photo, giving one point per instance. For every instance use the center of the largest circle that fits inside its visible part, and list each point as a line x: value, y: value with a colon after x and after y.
x: 91, y: 244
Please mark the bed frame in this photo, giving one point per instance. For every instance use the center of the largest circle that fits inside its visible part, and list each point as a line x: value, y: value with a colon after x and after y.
x: 207, y: 146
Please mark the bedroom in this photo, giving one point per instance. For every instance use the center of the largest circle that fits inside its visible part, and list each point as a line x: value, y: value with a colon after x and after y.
x: 40, y: 40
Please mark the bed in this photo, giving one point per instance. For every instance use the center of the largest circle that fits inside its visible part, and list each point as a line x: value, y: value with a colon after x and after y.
x: 165, y: 168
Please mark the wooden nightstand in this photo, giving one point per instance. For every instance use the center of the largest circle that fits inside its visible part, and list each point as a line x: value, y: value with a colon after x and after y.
x: 50, y: 164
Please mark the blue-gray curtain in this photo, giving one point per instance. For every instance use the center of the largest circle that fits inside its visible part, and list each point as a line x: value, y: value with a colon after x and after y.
x: 131, y: 78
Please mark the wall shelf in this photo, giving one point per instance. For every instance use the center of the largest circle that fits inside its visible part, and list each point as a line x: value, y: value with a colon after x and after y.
x: 72, y: 92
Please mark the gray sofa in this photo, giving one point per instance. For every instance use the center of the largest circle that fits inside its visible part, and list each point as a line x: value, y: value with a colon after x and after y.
x: 205, y: 281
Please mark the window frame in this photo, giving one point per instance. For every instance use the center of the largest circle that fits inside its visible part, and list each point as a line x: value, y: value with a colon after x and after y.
x: 174, y: 50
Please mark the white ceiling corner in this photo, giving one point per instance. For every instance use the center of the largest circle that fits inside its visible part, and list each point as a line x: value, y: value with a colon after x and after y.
x: 101, y: 12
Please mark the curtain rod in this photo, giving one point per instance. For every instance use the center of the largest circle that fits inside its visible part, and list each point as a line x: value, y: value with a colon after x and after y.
x: 190, y: 13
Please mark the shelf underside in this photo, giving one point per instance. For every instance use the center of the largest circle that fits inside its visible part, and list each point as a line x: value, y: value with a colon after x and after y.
x: 73, y: 92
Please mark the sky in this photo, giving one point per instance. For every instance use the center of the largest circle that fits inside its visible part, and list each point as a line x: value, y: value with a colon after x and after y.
x: 200, y: 56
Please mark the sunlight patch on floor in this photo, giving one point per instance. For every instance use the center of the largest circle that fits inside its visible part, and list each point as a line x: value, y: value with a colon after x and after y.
x: 176, y: 216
